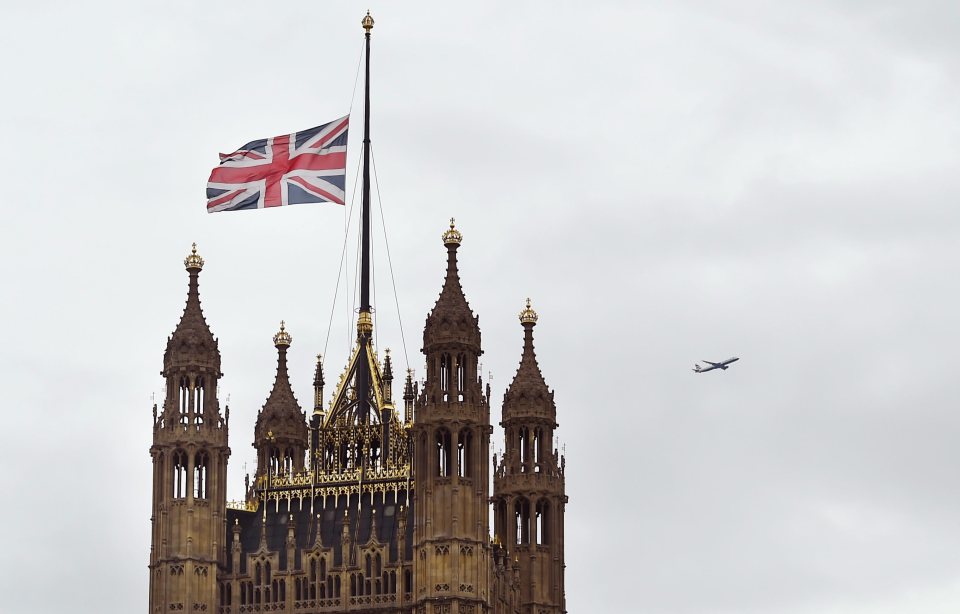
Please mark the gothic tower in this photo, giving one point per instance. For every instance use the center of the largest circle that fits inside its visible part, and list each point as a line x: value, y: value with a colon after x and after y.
x: 528, y: 484
x: 280, y: 434
x: 189, y: 454
x: 451, y: 435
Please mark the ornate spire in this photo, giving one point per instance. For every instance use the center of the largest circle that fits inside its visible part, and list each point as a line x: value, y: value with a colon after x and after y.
x: 528, y: 384
x: 452, y: 320
x: 192, y: 343
x: 281, y: 413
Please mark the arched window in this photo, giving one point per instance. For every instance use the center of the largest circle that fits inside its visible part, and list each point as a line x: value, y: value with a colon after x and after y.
x: 179, y: 459
x: 537, y: 448
x: 465, y: 453
x: 521, y: 511
x: 374, y: 453
x: 288, y: 461
x: 407, y: 581
x: 200, y: 467
x: 199, y: 393
x: 274, y: 460
x: 329, y: 457
x: 443, y: 453
x: 446, y: 370
x: 500, y: 520
x: 524, y: 453
x: 543, y: 521
x: 461, y: 375
x: 184, y: 400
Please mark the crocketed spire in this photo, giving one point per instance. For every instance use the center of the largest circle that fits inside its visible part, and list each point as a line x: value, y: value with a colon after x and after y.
x: 192, y: 345
x: 452, y: 321
x: 281, y: 420
x: 528, y: 393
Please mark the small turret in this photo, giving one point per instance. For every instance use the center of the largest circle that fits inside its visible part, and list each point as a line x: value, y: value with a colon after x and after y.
x: 280, y: 435
x: 409, y: 394
x: 451, y: 319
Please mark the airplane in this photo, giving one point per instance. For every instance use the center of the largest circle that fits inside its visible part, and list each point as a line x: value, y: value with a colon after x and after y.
x: 715, y: 365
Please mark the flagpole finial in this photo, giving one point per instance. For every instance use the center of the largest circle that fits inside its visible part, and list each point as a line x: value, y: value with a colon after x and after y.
x: 367, y: 22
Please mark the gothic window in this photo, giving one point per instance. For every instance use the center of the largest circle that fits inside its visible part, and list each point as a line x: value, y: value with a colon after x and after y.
x: 287, y: 461
x: 500, y: 520
x: 179, y: 458
x: 329, y: 457
x: 446, y: 374
x: 524, y: 443
x: 375, y: 453
x: 443, y: 453
x: 543, y: 521
x: 358, y: 452
x: 184, y: 400
x: 226, y: 594
x: 198, y: 398
x: 461, y: 375
x: 465, y: 453
x: 274, y: 460
x: 246, y: 593
x: 521, y: 512
x: 537, y: 448
x: 200, y: 467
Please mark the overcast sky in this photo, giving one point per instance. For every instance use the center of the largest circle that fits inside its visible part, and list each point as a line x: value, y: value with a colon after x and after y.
x: 668, y: 181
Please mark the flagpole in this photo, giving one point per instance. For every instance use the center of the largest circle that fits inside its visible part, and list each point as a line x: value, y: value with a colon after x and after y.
x: 365, y: 319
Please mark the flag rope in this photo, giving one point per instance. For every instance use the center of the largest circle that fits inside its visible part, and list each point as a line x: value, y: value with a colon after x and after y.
x: 393, y: 279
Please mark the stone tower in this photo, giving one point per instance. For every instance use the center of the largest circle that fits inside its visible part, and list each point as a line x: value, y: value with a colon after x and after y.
x: 189, y: 454
x: 451, y: 435
x: 528, y: 484
x: 280, y: 434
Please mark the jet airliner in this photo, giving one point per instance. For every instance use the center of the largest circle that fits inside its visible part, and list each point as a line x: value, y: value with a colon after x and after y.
x: 715, y: 365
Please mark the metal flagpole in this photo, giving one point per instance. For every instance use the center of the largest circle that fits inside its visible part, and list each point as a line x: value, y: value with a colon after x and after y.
x: 365, y: 319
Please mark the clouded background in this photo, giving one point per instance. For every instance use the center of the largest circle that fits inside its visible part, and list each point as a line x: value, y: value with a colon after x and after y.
x: 668, y: 181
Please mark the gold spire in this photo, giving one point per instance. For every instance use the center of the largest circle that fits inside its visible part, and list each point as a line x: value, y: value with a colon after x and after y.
x: 452, y: 236
x: 528, y: 315
x: 282, y: 337
x: 193, y: 261
x: 367, y: 22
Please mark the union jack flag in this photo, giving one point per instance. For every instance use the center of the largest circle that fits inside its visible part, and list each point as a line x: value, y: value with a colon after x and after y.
x: 304, y: 167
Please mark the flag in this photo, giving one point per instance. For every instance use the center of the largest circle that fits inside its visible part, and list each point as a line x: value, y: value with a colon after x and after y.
x: 304, y: 167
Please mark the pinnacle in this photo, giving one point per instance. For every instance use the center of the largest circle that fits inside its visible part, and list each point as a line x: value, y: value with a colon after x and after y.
x: 282, y: 413
x: 451, y: 319
x: 528, y: 390
x: 192, y: 342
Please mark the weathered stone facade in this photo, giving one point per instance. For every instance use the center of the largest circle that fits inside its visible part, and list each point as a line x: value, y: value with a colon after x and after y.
x: 355, y: 508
